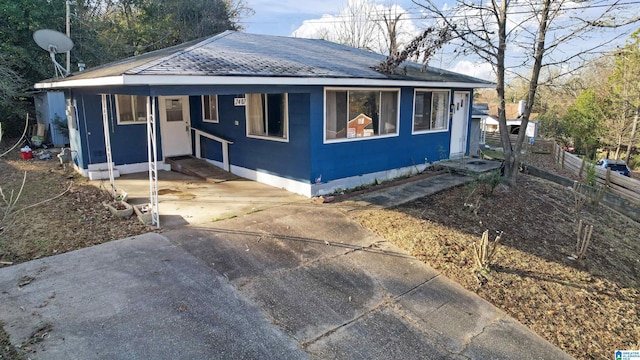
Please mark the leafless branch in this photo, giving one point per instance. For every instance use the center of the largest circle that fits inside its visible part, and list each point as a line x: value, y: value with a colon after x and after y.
x: 26, y: 126
x: 10, y: 203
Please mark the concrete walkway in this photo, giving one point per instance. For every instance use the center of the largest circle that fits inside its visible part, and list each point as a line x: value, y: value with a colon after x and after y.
x: 187, y: 200
x: 294, y: 281
x: 396, y: 195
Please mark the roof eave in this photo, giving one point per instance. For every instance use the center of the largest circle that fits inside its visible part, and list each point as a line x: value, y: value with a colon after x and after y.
x: 163, y: 80
x: 78, y: 83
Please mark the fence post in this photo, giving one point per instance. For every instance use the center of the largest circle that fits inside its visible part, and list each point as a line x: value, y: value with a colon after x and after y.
x: 581, y: 168
x: 563, y: 154
x: 608, y: 181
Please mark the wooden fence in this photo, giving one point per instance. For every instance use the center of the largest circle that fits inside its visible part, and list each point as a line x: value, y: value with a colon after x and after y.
x: 540, y: 144
x: 618, y: 184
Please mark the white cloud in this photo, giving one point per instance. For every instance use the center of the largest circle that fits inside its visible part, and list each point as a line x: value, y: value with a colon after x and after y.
x: 295, y: 6
x: 360, y: 24
x: 479, y: 70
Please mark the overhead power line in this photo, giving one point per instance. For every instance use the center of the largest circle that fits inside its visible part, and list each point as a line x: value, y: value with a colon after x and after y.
x: 341, y: 17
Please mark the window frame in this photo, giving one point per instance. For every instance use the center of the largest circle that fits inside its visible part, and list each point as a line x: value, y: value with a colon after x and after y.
x: 413, y: 111
x: 285, y: 129
x: 348, y: 89
x: 133, y: 107
x: 204, y: 119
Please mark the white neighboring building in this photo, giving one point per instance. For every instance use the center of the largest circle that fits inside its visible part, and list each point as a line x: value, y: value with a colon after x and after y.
x: 514, y: 120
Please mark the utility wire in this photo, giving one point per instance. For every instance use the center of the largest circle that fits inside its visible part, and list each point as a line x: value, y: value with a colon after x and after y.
x: 337, y: 18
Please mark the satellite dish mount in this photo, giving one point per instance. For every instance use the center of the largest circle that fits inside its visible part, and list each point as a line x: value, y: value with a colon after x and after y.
x: 54, y: 42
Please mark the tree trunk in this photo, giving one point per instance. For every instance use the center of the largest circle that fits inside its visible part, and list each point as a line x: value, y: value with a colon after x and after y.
x: 632, y: 136
x: 618, y: 146
x: 512, y: 157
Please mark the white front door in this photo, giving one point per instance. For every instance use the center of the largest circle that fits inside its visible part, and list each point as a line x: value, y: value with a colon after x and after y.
x: 175, y: 125
x: 460, y: 123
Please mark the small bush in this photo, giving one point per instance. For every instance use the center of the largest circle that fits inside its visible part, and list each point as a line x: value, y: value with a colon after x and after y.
x: 590, y: 174
x: 490, y: 181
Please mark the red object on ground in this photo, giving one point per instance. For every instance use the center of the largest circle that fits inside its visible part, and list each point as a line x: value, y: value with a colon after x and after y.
x: 26, y: 154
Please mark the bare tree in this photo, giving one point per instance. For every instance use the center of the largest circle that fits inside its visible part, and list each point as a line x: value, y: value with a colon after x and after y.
x: 358, y: 27
x: 393, y: 25
x: 525, y: 36
x: 625, y: 82
x: 364, y: 24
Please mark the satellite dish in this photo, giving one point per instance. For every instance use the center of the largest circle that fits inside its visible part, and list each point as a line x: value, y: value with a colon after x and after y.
x: 54, y: 42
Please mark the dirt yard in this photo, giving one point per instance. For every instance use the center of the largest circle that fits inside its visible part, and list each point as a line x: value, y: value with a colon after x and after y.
x: 589, y: 307
x: 74, y: 220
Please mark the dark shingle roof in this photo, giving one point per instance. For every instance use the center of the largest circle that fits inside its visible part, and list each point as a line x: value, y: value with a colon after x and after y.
x: 242, y: 54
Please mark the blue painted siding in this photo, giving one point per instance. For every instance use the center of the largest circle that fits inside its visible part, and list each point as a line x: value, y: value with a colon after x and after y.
x: 304, y: 158
x: 128, y: 142
x: 290, y: 160
x: 339, y: 160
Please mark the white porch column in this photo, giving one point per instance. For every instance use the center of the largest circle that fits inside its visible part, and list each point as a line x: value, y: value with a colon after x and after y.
x: 152, y: 152
x: 107, y: 144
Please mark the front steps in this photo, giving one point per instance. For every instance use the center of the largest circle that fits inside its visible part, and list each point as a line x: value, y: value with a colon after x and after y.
x: 191, y: 166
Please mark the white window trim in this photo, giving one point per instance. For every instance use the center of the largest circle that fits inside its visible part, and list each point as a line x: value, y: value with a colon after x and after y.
x: 324, y: 112
x: 120, y: 122
x: 266, y: 114
x: 217, y: 120
x: 413, y: 112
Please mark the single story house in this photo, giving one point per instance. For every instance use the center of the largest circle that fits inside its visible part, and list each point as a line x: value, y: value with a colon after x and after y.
x: 307, y: 115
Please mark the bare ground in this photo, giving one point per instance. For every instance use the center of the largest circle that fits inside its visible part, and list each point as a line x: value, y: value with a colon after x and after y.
x: 74, y: 220
x: 589, y: 308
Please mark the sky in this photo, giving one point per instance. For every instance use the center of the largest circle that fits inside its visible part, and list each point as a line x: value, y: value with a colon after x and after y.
x: 300, y: 18
x: 303, y: 18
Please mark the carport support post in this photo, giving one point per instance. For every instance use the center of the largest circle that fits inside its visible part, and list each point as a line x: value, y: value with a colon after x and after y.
x: 107, y: 145
x: 152, y: 152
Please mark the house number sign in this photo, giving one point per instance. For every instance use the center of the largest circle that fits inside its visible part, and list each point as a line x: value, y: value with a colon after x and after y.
x: 240, y: 101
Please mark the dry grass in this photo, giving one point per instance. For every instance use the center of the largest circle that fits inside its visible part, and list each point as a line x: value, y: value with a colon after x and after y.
x: 75, y: 220
x: 588, y: 308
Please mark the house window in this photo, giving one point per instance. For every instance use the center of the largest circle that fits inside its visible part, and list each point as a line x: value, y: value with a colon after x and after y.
x: 430, y: 111
x: 210, y: 108
x: 267, y: 116
x: 131, y: 109
x: 366, y: 113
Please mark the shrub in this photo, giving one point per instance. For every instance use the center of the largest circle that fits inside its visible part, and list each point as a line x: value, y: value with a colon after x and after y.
x: 490, y: 181
x: 590, y: 173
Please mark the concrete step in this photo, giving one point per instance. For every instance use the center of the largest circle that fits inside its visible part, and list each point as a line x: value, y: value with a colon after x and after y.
x: 199, y: 168
x: 102, y: 174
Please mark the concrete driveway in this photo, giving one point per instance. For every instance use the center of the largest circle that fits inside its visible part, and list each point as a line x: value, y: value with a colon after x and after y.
x: 187, y: 200
x: 294, y: 281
